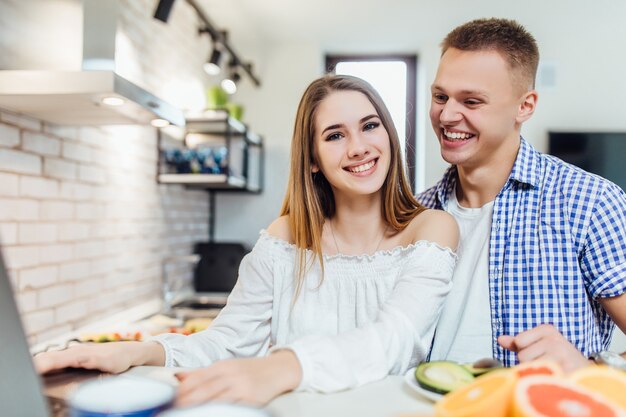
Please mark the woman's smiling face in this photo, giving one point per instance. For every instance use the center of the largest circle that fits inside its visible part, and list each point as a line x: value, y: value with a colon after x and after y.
x: 352, y: 147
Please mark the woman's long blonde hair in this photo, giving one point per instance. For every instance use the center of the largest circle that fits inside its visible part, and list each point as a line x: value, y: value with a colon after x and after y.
x: 309, y: 199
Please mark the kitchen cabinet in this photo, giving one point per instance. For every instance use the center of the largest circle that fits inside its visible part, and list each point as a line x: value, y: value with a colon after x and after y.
x: 217, y: 152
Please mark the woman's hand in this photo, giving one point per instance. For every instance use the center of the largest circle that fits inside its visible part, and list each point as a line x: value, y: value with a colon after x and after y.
x: 252, y: 381
x: 113, y: 357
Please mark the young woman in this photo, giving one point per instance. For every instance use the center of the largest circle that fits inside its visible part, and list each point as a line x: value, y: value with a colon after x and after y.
x: 343, y: 289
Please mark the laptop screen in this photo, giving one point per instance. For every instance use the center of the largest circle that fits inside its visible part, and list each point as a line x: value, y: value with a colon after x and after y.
x: 21, y: 392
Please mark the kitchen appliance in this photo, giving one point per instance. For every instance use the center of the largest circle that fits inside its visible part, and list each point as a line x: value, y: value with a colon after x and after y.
x: 21, y: 389
x: 77, y: 81
x: 218, y: 268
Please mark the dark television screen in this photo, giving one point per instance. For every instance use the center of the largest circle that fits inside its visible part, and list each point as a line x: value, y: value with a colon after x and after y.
x: 603, y: 154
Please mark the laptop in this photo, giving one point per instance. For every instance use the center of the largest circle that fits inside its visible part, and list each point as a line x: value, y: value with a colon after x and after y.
x: 21, y: 388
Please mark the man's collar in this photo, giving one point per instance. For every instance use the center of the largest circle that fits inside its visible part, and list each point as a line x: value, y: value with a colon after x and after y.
x: 525, y: 170
x: 446, y: 185
x: 526, y: 166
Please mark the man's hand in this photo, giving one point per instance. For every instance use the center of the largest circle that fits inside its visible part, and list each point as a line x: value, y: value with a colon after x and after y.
x: 252, y: 381
x: 114, y: 357
x: 544, y: 342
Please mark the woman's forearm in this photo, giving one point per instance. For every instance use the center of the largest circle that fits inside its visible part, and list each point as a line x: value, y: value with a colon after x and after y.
x: 287, y: 369
x: 147, y: 353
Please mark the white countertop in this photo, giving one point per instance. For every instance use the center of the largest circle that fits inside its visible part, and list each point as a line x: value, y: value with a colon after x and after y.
x: 390, y: 397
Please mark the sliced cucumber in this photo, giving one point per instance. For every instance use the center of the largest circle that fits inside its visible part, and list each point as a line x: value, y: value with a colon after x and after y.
x: 442, y: 376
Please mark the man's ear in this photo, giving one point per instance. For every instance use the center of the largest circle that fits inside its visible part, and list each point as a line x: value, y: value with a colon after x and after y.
x: 527, y: 106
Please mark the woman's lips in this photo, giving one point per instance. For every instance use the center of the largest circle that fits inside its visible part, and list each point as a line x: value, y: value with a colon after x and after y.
x: 362, y: 169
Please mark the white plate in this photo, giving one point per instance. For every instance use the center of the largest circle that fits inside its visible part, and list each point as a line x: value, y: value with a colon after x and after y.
x: 410, y: 380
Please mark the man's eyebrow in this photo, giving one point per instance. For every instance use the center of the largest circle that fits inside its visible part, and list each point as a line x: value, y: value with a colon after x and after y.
x: 435, y: 87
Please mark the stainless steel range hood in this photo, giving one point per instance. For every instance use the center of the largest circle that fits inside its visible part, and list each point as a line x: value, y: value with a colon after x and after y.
x: 75, y: 97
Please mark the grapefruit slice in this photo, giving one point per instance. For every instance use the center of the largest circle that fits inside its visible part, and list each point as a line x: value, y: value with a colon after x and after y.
x: 490, y: 395
x: 607, y: 382
x: 540, y: 367
x: 549, y: 396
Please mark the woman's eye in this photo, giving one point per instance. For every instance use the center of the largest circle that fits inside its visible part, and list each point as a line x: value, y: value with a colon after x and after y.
x: 333, y: 136
x: 371, y: 125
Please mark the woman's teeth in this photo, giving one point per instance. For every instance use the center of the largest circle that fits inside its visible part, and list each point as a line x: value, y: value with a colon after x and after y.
x: 363, y: 167
x: 457, y: 135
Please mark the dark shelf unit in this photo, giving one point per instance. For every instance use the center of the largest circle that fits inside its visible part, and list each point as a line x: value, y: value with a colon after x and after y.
x: 245, y: 157
x: 243, y: 171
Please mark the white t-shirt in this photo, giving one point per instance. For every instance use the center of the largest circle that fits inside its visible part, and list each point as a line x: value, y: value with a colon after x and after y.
x: 464, y: 330
x: 372, y: 315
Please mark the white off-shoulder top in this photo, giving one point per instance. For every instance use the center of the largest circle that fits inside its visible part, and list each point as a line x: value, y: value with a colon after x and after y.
x: 373, y: 315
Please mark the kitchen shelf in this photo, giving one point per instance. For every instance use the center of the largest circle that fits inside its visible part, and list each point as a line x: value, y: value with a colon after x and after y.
x: 214, y: 121
x: 214, y: 132
x: 219, y: 181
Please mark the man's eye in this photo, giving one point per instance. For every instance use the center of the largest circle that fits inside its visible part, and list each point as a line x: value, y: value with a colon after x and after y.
x: 440, y: 98
x: 472, y: 102
x: 371, y: 125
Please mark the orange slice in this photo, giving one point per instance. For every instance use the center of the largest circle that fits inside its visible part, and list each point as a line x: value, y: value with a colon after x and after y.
x: 540, y: 367
x: 549, y: 396
x: 490, y: 395
x: 606, y: 381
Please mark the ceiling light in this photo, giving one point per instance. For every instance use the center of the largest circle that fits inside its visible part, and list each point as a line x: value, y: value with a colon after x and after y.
x: 163, y: 10
x: 212, y: 66
x: 113, y: 101
x: 229, y: 86
x: 159, y: 122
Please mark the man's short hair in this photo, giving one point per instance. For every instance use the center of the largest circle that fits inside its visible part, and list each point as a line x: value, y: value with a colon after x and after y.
x: 517, y: 46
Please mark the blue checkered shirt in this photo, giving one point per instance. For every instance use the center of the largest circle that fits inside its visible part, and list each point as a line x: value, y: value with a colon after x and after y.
x: 557, y: 245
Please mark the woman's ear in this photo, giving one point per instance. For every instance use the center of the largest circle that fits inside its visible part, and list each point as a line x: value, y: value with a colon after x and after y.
x: 315, y: 169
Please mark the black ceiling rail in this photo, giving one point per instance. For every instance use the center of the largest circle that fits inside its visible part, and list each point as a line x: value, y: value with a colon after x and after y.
x: 220, y: 37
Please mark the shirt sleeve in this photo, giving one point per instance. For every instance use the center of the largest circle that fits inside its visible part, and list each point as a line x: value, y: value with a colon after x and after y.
x: 604, y: 258
x: 397, y: 340
x: 242, y: 329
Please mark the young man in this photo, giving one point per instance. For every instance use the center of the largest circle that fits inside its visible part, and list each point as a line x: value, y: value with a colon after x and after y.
x: 542, y: 256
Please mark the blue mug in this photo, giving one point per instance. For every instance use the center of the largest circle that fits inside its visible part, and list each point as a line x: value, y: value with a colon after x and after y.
x: 121, y: 396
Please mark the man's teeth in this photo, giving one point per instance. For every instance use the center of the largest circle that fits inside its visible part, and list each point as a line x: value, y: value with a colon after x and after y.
x: 363, y: 167
x: 457, y: 135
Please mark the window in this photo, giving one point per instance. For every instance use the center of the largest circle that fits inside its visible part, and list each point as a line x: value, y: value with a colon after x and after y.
x: 395, y: 79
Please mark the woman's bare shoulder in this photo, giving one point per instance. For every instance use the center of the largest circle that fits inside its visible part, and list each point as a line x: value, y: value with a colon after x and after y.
x: 436, y: 226
x: 280, y: 229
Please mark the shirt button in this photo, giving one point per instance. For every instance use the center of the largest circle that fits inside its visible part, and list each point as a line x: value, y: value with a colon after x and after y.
x: 498, y: 226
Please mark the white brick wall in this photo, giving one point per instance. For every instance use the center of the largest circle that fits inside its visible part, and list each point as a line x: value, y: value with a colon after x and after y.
x: 83, y: 224
x: 9, y: 136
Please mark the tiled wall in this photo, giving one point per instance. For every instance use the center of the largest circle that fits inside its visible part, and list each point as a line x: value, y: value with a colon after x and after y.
x: 84, y: 226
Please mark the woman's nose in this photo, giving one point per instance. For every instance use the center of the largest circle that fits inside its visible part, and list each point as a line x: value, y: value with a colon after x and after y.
x: 358, y: 146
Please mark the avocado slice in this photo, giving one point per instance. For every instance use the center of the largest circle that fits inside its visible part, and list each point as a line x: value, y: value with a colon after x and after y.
x: 476, y: 371
x: 442, y: 376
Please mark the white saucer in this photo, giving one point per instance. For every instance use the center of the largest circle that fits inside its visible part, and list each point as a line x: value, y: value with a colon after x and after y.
x: 410, y: 380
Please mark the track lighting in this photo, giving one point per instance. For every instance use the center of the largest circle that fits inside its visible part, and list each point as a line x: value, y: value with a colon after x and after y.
x: 229, y: 84
x: 163, y: 10
x: 220, y: 43
x: 212, y: 66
